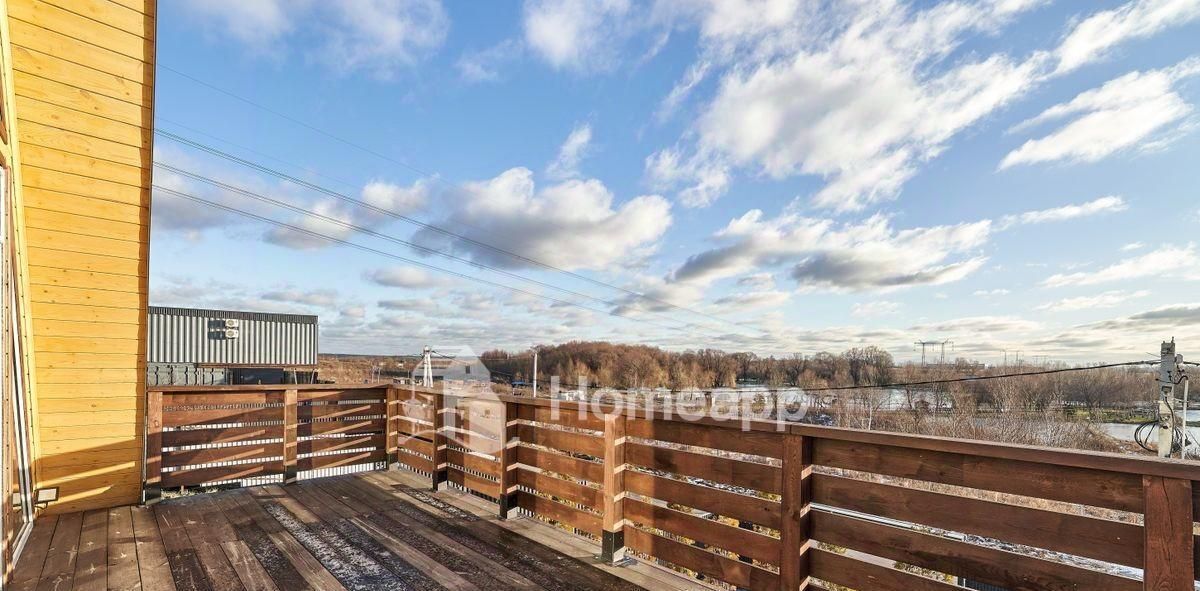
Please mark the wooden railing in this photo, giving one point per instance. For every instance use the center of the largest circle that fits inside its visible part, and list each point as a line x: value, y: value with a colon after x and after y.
x: 756, y: 505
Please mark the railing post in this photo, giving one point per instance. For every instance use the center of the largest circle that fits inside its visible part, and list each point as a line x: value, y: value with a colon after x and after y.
x: 1169, y: 560
x: 613, y: 536
x: 508, y: 458
x: 152, y: 488
x: 391, y: 435
x: 290, y: 409
x: 796, y: 503
x: 439, y: 440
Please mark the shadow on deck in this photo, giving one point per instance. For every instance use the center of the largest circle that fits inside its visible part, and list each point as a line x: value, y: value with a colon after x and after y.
x: 374, y: 530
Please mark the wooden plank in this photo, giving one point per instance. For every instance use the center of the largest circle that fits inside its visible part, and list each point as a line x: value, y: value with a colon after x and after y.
x: 347, y: 427
x: 561, y: 440
x: 59, y: 567
x: 122, y: 566
x: 205, y: 541
x: 70, y: 96
x: 194, y: 457
x: 1111, y: 490
x: 172, y: 400
x: 1009, y: 570
x: 51, y: 55
x: 795, y: 504
x: 192, y: 476
x: 729, y: 439
x: 336, y: 411
x: 706, y: 498
x: 186, y: 568
x: 91, y: 565
x: 1169, y: 559
x: 717, y: 469
x: 547, y: 484
x: 573, y: 418
x: 283, y: 574
x: 290, y: 429
x: 221, y: 435
x: 79, y: 27
x: 83, y: 279
x: 303, y: 561
x: 28, y: 570
x: 252, y: 574
x: 327, y: 444
x: 561, y: 464
x: 415, y: 462
x: 764, y: 549
x: 843, y: 570
x: 612, y: 492
x: 81, y: 122
x: 331, y: 394
x: 722, y: 568
x: 50, y: 179
x: 219, y: 416
x: 1110, y: 541
x: 153, y: 566
x: 546, y: 508
x: 96, y: 207
x: 417, y: 445
x: 473, y: 462
x: 336, y: 460
x: 111, y: 14
x: 479, y: 484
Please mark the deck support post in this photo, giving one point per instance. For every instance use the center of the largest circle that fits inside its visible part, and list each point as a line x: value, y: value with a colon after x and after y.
x: 290, y: 408
x: 152, y: 487
x: 509, y: 440
x: 391, y: 435
x: 612, y: 538
x: 439, y: 441
x: 1169, y: 559
x: 796, y: 504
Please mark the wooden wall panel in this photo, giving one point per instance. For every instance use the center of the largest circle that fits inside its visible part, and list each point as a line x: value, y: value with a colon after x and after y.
x: 83, y: 81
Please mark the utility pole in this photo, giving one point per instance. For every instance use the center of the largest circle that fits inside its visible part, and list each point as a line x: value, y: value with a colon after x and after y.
x: 535, y: 360
x: 1170, y: 373
x: 924, y: 344
x: 427, y: 378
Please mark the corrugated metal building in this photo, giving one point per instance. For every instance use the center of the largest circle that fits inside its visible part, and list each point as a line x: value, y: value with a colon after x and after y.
x: 195, y: 346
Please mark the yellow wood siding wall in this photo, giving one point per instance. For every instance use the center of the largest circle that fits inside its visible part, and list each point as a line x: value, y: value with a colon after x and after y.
x: 83, y: 80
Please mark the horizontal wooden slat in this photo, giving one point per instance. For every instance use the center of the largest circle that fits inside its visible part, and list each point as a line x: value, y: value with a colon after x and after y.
x: 415, y: 462
x: 339, y: 460
x: 470, y: 481
x: 717, y: 469
x: 559, y: 512
x: 1110, y: 541
x: 856, y: 574
x: 1111, y: 490
x: 722, y: 438
x: 214, y: 416
x: 417, y: 445
x: 174, y: 399
x: 332, y: 411
x: 738, y: 506
x: 722, y: 568
x: 49, y: 179
x: 562, y: 417
x: 473, y: 441
x: 561, y: 463
x: 193, y: 457
x: 79, y: 27
x: 340, y: 443
x: 340, y: 394
x: 564, y: 440
x: 406, y: 426
x: 418, y: 413
x: 347, y: 427
x: 222, y: 435
x: 187, y: 477
x: 473, y: 462
x: 714, y: 533
x: 994, y: 566
x: 557, y: 487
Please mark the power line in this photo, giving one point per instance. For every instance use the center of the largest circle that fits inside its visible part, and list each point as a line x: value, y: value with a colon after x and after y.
x: 436, y: 268
x: 368, y: 231
x: 337, y: 195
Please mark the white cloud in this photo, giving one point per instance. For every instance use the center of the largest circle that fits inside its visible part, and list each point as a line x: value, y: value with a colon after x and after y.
x: 1179, y: 262
x: 1133, y: 246
x: 761, y: 280
x: 987, y: 293
x: 874, y: 309
x: 575, y: 34
x: 571, y: 153
x: 1108, y: 204
x: 484, y: 66
x: 870, y: 255
x: 379, y: 36
x: 337, y: 214
x: 753, y: 299
x: 1128, y: 112
x: 322, y: 298
x: 1095, y: 35
x: 573, y: 224
x: 405, y: 276
x: 979, y: 325
x: 1106, y: 299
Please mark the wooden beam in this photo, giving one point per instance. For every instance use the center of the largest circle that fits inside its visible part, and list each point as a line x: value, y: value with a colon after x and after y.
x: 1169, y: 564
x: 152, y: 489
x: 509, y: 447
x: 290, y: 400
x: 797, y: 502
x: 612, y: 508
x: 439, y: 440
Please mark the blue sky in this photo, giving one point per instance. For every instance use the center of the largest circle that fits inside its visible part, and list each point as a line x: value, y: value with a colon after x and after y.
x: 779, y: 176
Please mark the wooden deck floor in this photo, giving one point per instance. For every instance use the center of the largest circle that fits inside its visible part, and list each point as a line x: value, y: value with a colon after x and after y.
x: 375, y: 530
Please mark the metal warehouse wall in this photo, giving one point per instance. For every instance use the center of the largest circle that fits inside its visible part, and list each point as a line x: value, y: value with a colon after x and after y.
x: 184, y: 335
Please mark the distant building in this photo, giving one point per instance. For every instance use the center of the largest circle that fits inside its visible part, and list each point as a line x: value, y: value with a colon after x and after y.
x: 188, y: 346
